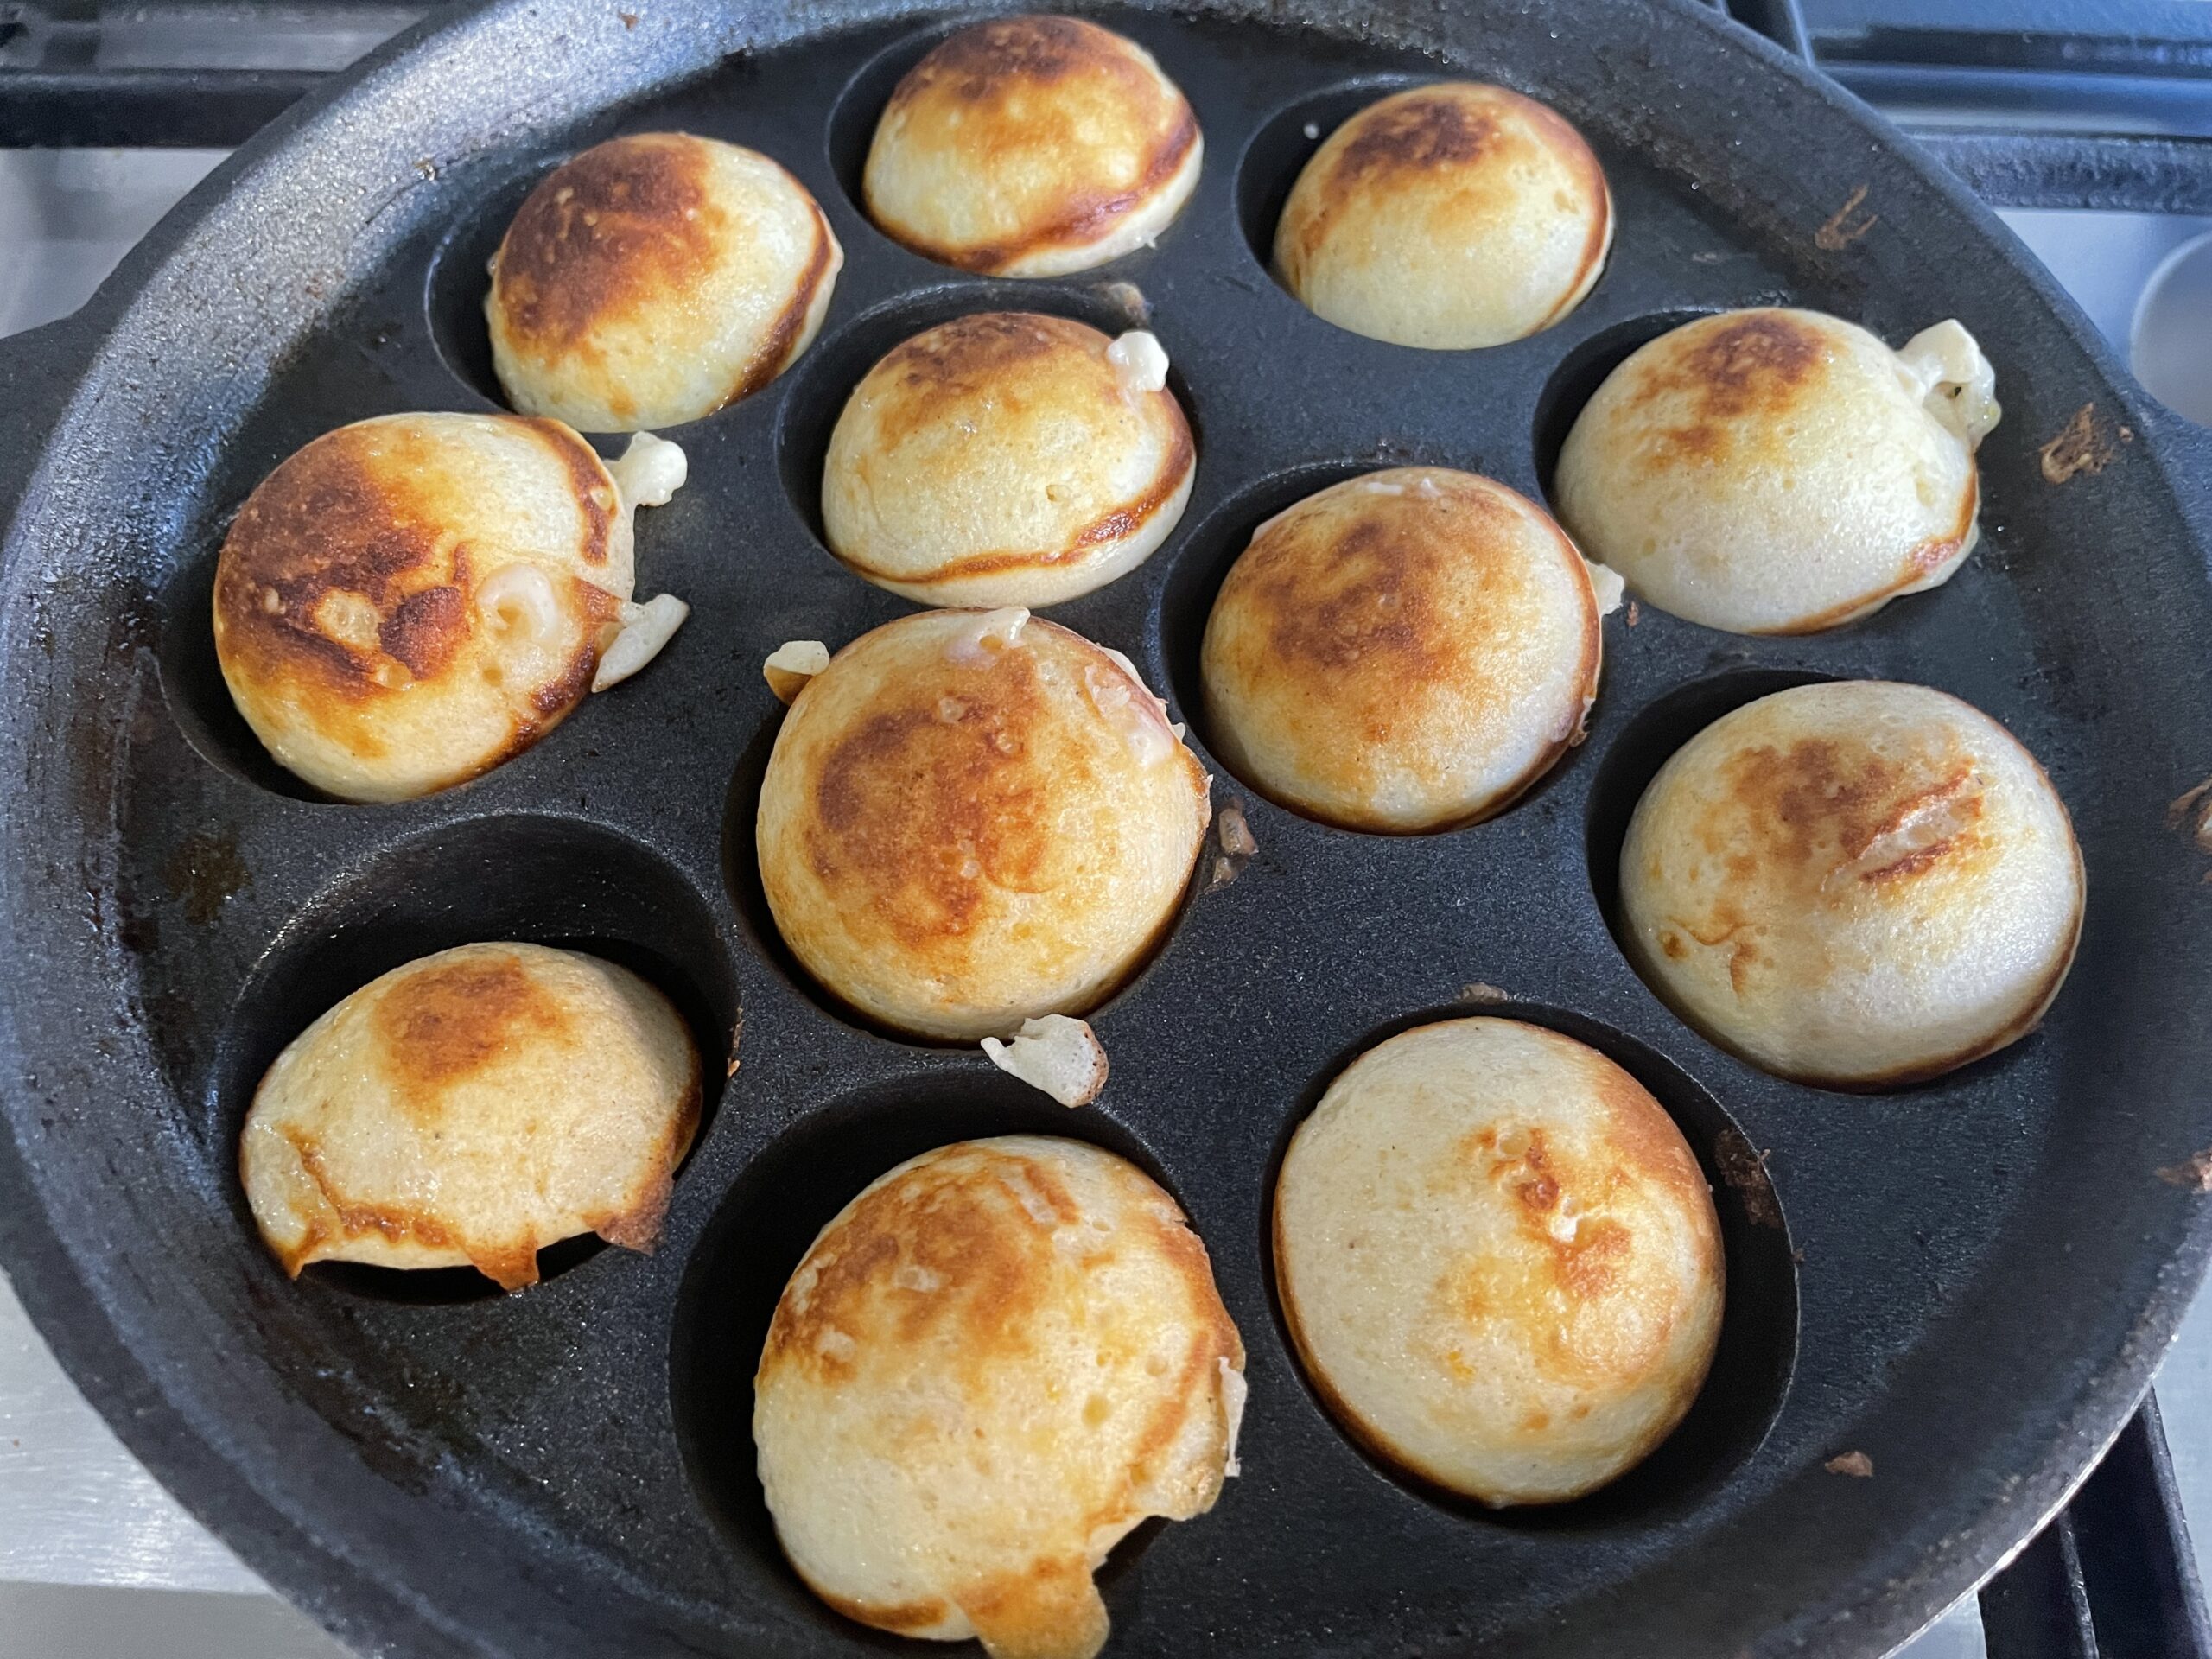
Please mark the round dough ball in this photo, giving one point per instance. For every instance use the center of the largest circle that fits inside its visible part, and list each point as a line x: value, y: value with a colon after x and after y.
x: 1032, y: 147
x: 470, y: 1108
x: 991, y: 1366
x: 1403, y: 651
x: 1006, y: 459
x: 1446, y: 216
x: 654, y: 279
x: 1499, y: 1261
x: 409, y: 600
x: 1854, y: 884
x: 1780, y: 472
x: 972, y: 818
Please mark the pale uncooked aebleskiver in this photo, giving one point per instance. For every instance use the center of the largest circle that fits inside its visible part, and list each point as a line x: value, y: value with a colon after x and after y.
x: 469, y: 1109
x: 1499, y: 1260
x: 1853, y: 883
x: 996, y: 1361
x: 1405, y: 651
x: 1448, y: 216
x: 974, y: 818
x: 1774, y: 470
x: 411, y: 599
x: 1007, y: 458
x: 1032, y: 146
x: 653, y: 279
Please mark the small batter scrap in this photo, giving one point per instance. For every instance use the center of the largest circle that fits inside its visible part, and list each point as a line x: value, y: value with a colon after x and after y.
x: 2194, y: 1174
x: 2082, y: 447
x: 1057, y: 1054
x: 1845, y: 225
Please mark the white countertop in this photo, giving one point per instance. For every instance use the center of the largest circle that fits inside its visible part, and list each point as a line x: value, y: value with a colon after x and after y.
x: 75, y: 1508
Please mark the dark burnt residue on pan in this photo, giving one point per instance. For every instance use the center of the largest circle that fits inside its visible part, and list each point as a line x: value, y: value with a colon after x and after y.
x: 1743, y: 1167
x: 204, y: 873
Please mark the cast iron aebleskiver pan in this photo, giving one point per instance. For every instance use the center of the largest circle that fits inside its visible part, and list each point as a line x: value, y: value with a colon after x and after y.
x: 1989, y: 1266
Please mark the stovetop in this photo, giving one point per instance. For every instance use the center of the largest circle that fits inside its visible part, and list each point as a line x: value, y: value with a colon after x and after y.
x: 2086, y: 123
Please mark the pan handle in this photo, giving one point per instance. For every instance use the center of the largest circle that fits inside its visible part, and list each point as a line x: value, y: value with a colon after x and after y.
x: 2113, y: 1576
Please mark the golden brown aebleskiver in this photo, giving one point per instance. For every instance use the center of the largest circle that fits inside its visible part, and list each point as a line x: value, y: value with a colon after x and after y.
x: 1032, y: 146
x: 998, y: 1359
x: 653, y: 279
x: 1776, y: 471
x: 1854, y: 883
x: 1405, y: 651
x: 1499, y: 1260
x: 1448, y: 216
x: 1007, y: 458
x: 974, y: 818
x: 409, y: 600
x: 469, y: 1109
